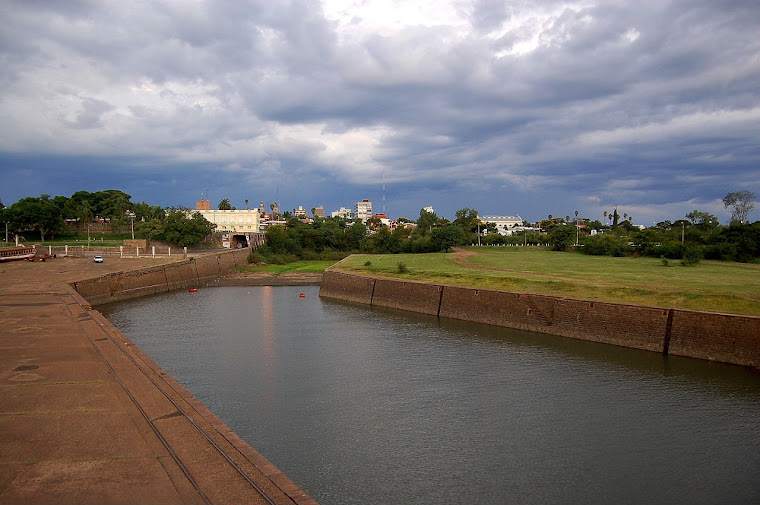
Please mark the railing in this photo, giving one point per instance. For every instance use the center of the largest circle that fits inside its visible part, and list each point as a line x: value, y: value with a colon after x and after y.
x: 118, y: 251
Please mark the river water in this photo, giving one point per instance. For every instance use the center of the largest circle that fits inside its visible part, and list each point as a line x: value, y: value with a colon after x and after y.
x: 372, y: 406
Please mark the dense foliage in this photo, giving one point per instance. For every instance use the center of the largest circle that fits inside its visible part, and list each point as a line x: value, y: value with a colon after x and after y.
x: 689, y: 240
x: 49, y: 216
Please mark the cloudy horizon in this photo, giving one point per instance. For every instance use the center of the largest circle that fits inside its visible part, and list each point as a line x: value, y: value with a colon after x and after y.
x: 529, y: 107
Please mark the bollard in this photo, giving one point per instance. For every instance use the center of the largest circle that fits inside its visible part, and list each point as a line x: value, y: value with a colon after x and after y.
x: 154, y: 251
x: 121, y: 251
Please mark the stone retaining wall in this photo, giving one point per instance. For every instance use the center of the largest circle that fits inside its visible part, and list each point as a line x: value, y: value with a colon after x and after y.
x: 719, y: 337
x: 157, y: 279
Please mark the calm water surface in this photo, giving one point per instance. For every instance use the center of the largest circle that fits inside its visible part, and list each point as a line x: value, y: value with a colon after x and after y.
x: 368, y: 406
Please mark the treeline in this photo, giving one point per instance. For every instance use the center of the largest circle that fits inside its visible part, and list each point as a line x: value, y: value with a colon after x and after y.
x: 682, y: 240
x: 334, y: 238
x: 53, y: 216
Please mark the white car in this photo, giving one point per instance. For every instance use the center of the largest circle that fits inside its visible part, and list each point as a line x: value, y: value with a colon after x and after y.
x: 98, y: 259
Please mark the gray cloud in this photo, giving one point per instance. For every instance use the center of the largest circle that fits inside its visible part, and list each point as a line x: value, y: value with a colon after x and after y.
x: 586, y: 104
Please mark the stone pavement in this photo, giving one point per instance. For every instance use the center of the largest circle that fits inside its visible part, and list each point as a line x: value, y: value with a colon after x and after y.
x: 87, y: 417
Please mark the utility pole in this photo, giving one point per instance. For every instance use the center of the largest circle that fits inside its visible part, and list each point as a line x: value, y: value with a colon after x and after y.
x: 132, y: 217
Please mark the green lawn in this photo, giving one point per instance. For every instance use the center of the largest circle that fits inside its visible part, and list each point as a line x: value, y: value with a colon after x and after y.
x: 298, y: 266
x: 710, y: 286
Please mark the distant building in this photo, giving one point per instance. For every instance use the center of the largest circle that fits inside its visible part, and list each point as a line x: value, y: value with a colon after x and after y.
x: 363, y: 210
x: 384, y: 221
x: 300, y: 212
x: 429, y: 209
x: 343, y: 213
x: 236, y: 227
x: 319, y: 211
x: 505, y: 225
x: 203, y: 204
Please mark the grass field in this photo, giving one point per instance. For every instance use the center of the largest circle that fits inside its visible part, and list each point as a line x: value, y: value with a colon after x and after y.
x: 298, y: 266
x: 713, y: 286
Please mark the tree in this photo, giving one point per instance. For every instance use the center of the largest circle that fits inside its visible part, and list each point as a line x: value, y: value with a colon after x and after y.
x: 40, y: 214
x: 467, y: 219
x: 703, y: 218
x: 225, y: 205
x: 185, y: 232
x: 561, y: 237
x: 446, y: 237
x: 426, y: 222
x: 742, y: 203
x: 150, y: 229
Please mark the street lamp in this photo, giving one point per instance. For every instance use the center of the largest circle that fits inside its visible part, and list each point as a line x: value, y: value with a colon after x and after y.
x: 88, y: 236
x: 132, y: 217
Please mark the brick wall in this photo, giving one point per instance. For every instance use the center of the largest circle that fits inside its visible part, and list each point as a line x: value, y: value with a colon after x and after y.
x: 424, y: 298
x: 349, y: 288
x: 718, y: 337
x: 156, y: 279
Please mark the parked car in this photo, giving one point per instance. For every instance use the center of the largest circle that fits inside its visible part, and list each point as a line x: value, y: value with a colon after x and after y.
x: 98, y: 259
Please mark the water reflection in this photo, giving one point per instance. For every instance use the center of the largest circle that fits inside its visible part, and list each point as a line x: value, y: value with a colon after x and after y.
x: 362, y: 405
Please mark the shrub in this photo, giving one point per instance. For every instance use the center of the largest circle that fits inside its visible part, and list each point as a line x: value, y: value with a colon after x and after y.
x: 401, y: 267
x: 691, y: 255
x: 255, y: 257
x: 367, y: 263
x: 606, y: 245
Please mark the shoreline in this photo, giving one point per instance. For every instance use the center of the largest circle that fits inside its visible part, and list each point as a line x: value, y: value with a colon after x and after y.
x: 88, y: 417
x: 726, y: 338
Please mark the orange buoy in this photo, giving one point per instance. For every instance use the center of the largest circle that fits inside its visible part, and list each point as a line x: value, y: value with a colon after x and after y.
x: 302, y: 295
x: 193, y: 290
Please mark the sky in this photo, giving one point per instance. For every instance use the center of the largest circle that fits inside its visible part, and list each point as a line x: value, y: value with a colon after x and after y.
x: 523, y: 108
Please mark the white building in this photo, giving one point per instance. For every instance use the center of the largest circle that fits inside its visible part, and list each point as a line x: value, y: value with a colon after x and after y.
x: 344, y: 213
x: 300, y: 212
x: 363, y: 210
x: 235, y: 226
x: 505, y: 225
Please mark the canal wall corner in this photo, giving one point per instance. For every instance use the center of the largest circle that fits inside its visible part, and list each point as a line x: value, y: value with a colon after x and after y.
x: 114, y: 287
x: 725, y: 338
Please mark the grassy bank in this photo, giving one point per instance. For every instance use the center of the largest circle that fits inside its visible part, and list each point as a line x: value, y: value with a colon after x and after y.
x: 298, y: 266
x: 709, y: 286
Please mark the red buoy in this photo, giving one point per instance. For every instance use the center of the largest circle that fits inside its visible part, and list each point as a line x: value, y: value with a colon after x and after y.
x: 193, y: 290
x: 302, y: 295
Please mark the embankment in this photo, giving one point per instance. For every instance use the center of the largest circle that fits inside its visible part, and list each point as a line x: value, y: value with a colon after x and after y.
x: 113, y: 287
x: 718, y: 337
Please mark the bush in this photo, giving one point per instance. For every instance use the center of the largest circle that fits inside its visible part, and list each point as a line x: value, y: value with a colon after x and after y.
x: 691, y: 255
x: 721, y: 252
x: 367, y: 263
x: 255, y: 257
x: 606, y: 245
x: 402, y: 269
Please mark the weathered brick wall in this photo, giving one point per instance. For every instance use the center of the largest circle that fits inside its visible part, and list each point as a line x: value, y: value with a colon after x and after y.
x: 96, y: 290
x: 349, y: 288
x: 156, y: 279
x: 414, y: 296
x: 499, y: 308
x: 180, y: 275
x: 207, y: 267
x: 226, y: 261
x: 719, y: 337
x: 241, y: 257
x: 142, y: 282
x: 627, y: 325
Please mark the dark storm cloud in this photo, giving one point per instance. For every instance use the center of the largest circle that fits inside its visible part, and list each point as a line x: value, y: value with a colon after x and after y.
x: 649, y: 105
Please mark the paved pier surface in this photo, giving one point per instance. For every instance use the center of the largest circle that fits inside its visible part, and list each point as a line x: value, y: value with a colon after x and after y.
x: 87, y: 417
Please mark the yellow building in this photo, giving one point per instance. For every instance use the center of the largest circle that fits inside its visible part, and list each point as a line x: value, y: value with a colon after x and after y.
x: 235, y: 226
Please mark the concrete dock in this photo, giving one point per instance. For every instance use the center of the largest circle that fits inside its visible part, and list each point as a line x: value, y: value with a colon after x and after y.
x: 87, y: 417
